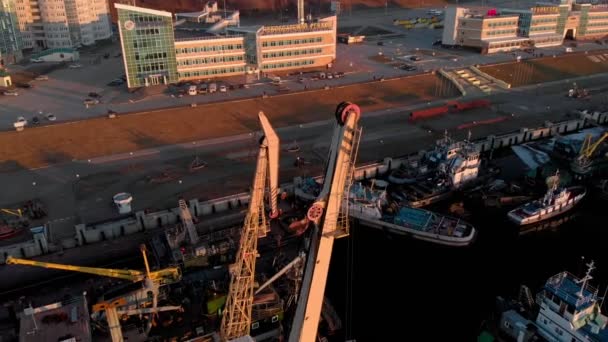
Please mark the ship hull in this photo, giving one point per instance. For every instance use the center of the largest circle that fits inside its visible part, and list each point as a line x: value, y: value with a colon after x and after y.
x: 425, y: 236
x: 520, y: 219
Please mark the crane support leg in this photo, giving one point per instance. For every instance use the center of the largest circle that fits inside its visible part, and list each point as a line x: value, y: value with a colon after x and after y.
x: 324, y: 213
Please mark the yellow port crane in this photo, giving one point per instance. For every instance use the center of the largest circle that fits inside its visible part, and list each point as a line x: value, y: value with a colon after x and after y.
x: 14, y: 212
x: 151, y: 281
x: 590, y: 147
x: 161, y: 277
x: 236, y: 321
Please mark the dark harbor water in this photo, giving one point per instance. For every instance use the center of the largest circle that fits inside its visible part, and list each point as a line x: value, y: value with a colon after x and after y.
x: 404, y: 289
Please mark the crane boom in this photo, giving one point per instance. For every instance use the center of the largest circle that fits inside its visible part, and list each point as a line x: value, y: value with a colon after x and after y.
x: 106, y: 272
x: 325, y: 215
x: 162, y: 277
x: 272, y: 147
x: 589, y: 148
x: 236, y: 321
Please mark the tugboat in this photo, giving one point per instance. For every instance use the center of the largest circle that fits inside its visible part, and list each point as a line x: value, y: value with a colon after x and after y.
x: 425, y: 163
x: 556, y: 201
x: 371, y: 208
x: 458, y: 168
x: 566, y: 309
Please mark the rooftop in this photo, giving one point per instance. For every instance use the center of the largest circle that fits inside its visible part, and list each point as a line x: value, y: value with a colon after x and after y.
x: 56, y: 322
x: 567, y: 286
x: 321, y: 25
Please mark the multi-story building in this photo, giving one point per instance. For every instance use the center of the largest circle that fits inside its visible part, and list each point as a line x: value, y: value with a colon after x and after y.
x: 295, y: 46
x: 492, y: 30
x: 160, y: 50
x: 62, y: 23
x: 10, y: 40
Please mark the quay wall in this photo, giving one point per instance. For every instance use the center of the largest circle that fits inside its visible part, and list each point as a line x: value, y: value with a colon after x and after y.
x: 208, y: 210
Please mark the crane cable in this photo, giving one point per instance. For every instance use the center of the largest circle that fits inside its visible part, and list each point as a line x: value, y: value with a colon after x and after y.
x: 350, y: 252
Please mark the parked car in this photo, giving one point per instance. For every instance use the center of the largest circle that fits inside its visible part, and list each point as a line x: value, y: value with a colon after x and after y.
x: 202, y: 89
x: 116, y: 82
x: 36, y: 60
x: 437, y: 42
x: 10, y: 93
x: 380, y: 43
x: 24, y: 85
x: 42, y: 78
x: 90, y: 102
x: 415, y: 58
x: 212, y: 87
x: 21, y: 119
x: 50, y: 117
x: 74, y: 66
x: 94, y: 95
x: 192, y: 90
x: 340, y: 74
x: 223, y: 88
x: 35, y: 120
x: 118, y: 55
x: 106, y: 55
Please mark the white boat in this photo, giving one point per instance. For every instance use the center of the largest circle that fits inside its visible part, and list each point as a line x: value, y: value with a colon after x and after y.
x: 556, y: 201
x: 371, y: 209
x: 567, y: 309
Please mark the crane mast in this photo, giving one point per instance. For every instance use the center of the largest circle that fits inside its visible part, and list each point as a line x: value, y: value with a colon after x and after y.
x: 329, y: 218
x: 236, y: 321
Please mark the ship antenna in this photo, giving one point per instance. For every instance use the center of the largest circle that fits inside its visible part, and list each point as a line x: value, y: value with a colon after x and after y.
x: 586, y: 278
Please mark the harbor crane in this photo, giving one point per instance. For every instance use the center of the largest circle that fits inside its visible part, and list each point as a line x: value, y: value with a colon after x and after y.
x: 236, y: 320
x: 165, y: 276
x: 151, y: 281
x: 329, y: 218
x: 582, y: 164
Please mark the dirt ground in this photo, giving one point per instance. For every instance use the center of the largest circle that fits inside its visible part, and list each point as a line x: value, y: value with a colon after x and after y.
x: 39, y: 146
x: 549, y: 69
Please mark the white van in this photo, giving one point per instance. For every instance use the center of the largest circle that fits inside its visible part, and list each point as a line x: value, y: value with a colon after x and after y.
x: 192, y: 90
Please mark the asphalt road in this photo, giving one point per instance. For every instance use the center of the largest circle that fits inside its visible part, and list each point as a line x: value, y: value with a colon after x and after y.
x: 81, y: 191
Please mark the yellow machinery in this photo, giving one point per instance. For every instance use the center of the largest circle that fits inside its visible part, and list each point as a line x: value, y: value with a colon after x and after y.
x: 329, y: 218
x: 14, y: 212
x: 581, y: 165
x: 590, y: 147
x: 236, y: 321
x: 151, y: 281
x: 161, y: 277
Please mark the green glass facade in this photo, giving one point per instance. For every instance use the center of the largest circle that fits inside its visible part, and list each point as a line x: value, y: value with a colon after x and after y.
x: 148, y: 47
x: 10, y: 39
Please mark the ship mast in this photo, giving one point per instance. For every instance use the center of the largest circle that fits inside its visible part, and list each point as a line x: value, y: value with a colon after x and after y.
x: 586, y: 278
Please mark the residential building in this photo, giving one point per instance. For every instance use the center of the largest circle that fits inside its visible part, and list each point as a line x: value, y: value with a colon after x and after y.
x: 62, y: 23
x: 492, y: 30
x: 10, y: 40
x: 160, y: 49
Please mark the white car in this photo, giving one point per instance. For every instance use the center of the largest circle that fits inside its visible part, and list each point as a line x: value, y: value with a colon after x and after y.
x: 51, y: 117
x: 223, y: 88
x: 212, y: 88
x: 74, y: 66
x: 21, y: 119
x: 90, y: 102
x: 42, y: 78
x: 10, y: 93
x: 36, y: 60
